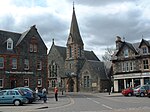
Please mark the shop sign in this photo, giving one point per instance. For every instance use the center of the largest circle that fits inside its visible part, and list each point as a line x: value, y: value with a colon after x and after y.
x: 17, y: 72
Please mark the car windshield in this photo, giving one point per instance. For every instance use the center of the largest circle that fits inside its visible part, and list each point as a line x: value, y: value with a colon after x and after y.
x: 136, y: 87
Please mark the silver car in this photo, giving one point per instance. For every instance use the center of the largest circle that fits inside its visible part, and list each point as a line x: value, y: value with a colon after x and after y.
x: 141, y: 90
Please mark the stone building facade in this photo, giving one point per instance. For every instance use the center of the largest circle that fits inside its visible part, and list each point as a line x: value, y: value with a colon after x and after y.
x: 23, y: 59
x: 74, y: 69
x: 131, y: 64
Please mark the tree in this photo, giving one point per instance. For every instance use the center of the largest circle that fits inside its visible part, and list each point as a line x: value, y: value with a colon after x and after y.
x: 108, y: 54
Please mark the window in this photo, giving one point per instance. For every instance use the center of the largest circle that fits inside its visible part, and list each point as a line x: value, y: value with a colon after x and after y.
x: 26, y: 82
x: 33, y: 47
x: 53, y: 83
x: 126, y: 53
x: 145, y: 50
x: 9, y: 44
x: 26, y: 64
x: 39, y: 82
x: 123, y: 67
x: 39, y: 65
x: 53, y: 69
x: 131, y: 66
x: 145, y: 64
x: 127, y: 66
x: 86, y: 81
x: 70, y: 52
x: 1, y: 62
x: 14, y: 63
x: 79, y: 52
x: 1, y: 83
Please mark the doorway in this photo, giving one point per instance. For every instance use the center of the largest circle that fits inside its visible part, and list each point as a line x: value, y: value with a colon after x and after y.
x: 70, y: 85
x: 13, y: 83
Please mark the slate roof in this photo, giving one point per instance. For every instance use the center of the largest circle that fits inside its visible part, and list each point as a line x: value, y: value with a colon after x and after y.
x: 4, y: 36
x: 89, y: 55
x: 62, y: 51
x: 98, y: 68
x: 135, y: 46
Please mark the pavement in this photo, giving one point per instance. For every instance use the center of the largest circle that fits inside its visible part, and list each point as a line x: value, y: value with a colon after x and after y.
x: 65, y: 100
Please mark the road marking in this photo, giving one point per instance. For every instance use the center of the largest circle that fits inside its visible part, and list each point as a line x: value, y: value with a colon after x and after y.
x: 93, y: 100
x: 106, y: 106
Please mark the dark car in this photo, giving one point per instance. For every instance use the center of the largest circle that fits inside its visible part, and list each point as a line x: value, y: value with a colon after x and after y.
x: 128, y: 91
x: 29, y: 94
x: 11, y: 96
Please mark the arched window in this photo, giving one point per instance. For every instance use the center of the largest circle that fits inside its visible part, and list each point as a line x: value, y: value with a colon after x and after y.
x: 70, y: 51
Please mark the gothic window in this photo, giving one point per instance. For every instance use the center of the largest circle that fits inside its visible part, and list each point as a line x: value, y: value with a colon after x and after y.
x: 70, y: 51
x: 145, y: 64
x: 53, y: 68
x: 1, y: 62
x: 14, y: 63
x: 79, y: 52
x: 26, y: 64
x: 31, y: 47
x: 53, y: 82
x: 86, y: 81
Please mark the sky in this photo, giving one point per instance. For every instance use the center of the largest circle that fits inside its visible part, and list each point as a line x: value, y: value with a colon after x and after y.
x: 99, y: 21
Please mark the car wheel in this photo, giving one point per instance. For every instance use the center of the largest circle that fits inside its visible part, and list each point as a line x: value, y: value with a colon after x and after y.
x: 17, y: 103
x: 142, y: 94
x: 129, y: 94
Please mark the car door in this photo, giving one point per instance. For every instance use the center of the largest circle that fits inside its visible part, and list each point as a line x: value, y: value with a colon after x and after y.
x: 2, y: 96
x: 10, y: 96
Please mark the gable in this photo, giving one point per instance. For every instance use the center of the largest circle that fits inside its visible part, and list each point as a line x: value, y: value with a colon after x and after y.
x: 126, y: 46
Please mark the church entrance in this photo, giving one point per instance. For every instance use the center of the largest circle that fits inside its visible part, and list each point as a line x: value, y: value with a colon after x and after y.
x: 70, y: 85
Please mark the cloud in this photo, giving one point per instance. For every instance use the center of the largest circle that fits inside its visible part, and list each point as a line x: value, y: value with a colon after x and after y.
x: 100, y: 21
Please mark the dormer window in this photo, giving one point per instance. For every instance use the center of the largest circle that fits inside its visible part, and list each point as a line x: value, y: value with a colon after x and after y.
x: 145, y: 50
x: 126, y: 53
x: 9, y: 44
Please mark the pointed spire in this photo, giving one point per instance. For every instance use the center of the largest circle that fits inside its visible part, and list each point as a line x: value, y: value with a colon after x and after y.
x: 74, y: 29
x: 53, y: 42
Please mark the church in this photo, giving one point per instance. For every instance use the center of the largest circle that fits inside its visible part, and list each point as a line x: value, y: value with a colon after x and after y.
x: 73, y: 69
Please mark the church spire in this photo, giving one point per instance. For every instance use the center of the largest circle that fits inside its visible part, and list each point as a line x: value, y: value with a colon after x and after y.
x: 74, y: 29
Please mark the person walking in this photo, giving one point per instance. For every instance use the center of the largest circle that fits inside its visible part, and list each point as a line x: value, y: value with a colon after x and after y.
x: 36, y: 93
x: 44, y: 95
x: 56, y: 93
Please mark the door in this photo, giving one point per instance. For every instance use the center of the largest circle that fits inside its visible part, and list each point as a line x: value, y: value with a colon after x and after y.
x: 13, y: 83
x: 70, y: 85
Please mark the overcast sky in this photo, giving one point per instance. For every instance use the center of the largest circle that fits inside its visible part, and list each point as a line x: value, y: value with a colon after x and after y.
x: 100, y: 21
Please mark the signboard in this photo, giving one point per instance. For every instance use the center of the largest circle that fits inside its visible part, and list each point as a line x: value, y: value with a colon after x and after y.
x: 94, y: 84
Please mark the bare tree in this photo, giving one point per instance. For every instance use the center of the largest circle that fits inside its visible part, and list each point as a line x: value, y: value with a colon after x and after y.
x: 108, y: 53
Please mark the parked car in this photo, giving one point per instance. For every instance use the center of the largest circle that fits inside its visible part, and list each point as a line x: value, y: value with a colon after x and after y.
x: 11, y: 96
x: 128, y: 91
x: 141, y: 90
x: 29, y: 94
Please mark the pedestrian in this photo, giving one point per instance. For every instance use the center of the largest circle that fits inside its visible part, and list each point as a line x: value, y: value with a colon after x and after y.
x: 56, y: 93
x: 44, y: 95
x: 36, y: 93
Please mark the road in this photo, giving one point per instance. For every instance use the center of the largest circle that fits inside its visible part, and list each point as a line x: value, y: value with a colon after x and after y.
x: 86, y: 102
